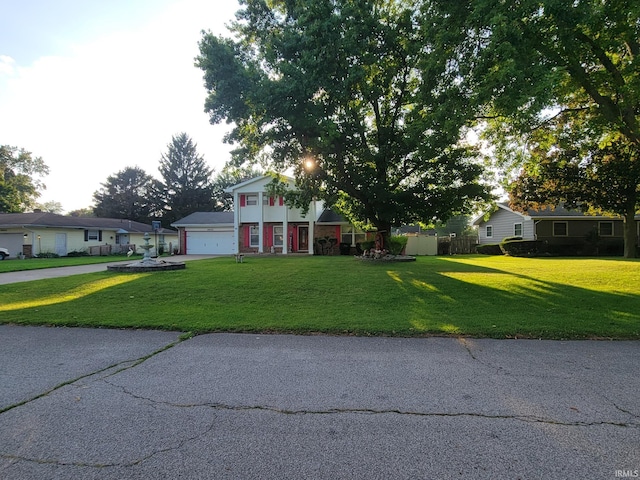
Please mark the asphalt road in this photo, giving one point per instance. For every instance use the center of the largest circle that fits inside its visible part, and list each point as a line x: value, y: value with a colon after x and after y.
x: 115, y: 404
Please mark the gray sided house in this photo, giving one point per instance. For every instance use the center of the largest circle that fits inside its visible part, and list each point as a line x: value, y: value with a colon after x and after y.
x: 563, y: 231
x: 39, y: 233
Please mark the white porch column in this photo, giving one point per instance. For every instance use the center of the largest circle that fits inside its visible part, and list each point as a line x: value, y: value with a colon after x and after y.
x: 261, y: 225
x: 285, y: 228
x: 236, y: 222
x: 312, y: 222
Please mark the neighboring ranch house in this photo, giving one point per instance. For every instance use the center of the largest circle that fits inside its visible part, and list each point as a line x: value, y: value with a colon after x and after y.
x: 567, y: 230
x: 41, y: 232
x: 261, y: 223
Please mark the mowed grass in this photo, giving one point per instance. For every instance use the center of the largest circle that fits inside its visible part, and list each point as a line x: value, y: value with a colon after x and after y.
x: 15, y: 265
x: 501, y: 297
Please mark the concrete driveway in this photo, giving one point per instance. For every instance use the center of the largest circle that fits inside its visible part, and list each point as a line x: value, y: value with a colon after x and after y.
x: 114, y: 404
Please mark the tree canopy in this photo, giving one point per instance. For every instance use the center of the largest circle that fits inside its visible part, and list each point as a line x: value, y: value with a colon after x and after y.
x: 355, y: 98
x: 130, y: 193
x: 560, y: 85
x: 186, y: 184
x: 19, y: 179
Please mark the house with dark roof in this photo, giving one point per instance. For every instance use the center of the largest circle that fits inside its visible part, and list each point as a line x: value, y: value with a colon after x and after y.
x: 565, y: 231
x: 41, y: 232
x: 263, y: 223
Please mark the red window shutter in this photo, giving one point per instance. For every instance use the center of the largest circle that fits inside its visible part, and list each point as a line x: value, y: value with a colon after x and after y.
x: 281, y: 201
x: 338, y: 233
x: 268, y: 236
x: 271, y: 201
x: 247, y: 235
x: 243, y: 201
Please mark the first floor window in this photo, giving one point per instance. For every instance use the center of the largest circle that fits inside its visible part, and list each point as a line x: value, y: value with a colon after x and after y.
x: 605, y: 229
x: 560, y: 229
x: 92, y: 235
x: 517, y: 229
x: 278, y: 236
x: 351, y: 235
x: 489, y: 231
x: 254, y: 236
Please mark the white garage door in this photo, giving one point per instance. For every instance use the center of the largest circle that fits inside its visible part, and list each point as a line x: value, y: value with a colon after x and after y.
x: 211, y: 243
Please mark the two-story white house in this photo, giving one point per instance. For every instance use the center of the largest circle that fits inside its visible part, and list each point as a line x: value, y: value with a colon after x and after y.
x: 262, y: 223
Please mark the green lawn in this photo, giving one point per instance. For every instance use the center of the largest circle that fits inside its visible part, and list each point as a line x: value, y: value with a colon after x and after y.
x: 462, y: 295
x: 15, y: 265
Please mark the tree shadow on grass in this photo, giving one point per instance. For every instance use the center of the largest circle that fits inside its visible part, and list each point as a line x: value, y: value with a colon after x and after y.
x: 467, y: 299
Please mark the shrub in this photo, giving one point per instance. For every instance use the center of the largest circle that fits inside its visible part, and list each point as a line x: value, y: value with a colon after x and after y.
x: 397, y: 244
x: 368, y: 245
x: 47, y: 255
x: 520, y: 248
x: 511, y: 239
x: 78, y: 253
x: 489, y: 249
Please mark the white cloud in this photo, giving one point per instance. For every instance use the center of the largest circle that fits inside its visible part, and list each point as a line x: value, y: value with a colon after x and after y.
x: 7, y: 65
x: 113, y: 103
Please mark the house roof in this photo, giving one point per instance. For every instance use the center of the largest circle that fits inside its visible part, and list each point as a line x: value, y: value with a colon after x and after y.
x: 255, y: 180
x: 205, y: 218
x: 52, y: 220
x: 329, y: 216
x: 548, y: 212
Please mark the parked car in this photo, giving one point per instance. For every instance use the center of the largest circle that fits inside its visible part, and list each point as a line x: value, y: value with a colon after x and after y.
x: 4, y: 253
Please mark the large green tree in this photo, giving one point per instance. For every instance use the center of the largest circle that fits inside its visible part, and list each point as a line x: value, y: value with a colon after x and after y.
x: 598, y: 177
x: 20, y: 182
x: 130, y: 193
x: 187, y: 180
x: 354, y: 98
x: 560, y: 85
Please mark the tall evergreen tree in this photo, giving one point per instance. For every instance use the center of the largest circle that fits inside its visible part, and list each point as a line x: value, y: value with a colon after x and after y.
x: 187, y: 182
x: 131, y: 193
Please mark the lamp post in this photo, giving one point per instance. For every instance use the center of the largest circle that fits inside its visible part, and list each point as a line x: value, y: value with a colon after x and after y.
x: 39, y: 245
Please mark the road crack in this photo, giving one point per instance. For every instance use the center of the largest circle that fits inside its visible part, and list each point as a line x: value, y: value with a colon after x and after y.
x: 132, y: 463
x: 371, y: 411
x: 119, y: 366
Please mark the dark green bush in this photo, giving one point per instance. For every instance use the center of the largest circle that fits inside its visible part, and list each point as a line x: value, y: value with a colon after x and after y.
x: 510, y: 239
x: 489, y: 249
x: 78, y: 253
x: 521, y: 248
x: 368, y: 245
x: 47, y: 255
x: 345, y: 248
x: 397, y: 244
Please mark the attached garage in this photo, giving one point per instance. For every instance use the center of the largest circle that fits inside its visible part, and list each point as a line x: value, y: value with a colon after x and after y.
x: 207, y: 233
x: 214, y: 242
x: 12, y: 242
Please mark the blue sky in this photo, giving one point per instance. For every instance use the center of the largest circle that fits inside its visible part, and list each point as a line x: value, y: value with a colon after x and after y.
x: 95, y: 86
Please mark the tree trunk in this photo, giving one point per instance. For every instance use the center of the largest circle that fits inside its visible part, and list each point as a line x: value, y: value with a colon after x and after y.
x: 385, y: 229
x: 630, y: 233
